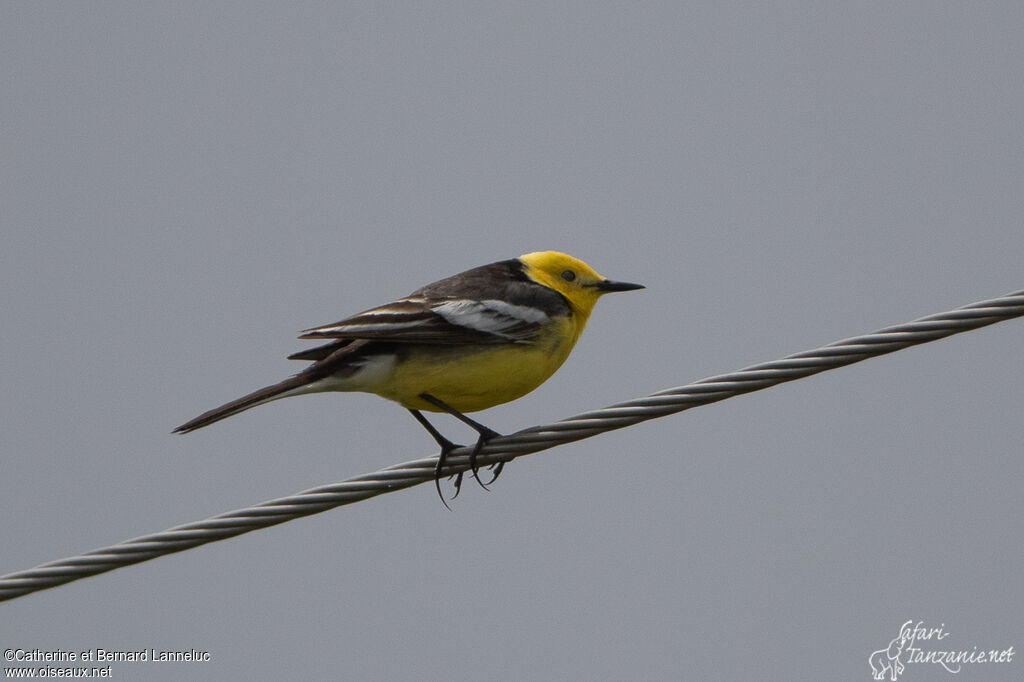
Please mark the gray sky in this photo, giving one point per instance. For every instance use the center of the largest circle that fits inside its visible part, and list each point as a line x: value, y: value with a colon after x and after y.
x: 186, y: 186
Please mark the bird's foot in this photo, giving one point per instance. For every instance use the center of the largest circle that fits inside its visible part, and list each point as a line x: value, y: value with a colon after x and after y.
x: 486, y: 434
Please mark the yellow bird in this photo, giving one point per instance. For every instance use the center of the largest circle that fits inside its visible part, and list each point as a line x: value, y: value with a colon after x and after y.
x: 465, y: 343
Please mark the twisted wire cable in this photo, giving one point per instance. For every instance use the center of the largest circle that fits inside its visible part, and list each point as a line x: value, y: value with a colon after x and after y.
x: 506, y: 448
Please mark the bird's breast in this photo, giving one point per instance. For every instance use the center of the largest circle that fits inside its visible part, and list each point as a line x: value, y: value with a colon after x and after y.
x: 471, y: 379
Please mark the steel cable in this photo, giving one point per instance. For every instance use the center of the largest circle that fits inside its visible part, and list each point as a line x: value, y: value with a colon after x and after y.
x: 505, y: 448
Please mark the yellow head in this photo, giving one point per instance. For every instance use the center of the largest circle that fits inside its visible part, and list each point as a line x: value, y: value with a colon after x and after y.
x: 572, y: 278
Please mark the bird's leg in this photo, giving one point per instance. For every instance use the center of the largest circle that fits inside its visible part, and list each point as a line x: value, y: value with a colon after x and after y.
x: 485, y: 435
x: 446, y: 447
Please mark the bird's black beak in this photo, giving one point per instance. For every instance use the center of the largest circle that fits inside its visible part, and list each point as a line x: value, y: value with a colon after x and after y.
x: 608, y: 285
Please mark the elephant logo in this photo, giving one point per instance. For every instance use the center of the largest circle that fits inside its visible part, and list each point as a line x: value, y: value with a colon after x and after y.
x: 888, y: 660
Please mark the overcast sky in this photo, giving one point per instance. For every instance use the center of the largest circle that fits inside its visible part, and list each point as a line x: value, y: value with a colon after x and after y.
x: 185, y: 186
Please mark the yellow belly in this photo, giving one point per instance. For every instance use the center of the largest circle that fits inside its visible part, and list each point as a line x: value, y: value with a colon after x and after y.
x: 477, y: 379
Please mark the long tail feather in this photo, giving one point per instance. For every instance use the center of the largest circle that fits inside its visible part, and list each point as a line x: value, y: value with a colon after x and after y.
x: 287, y: 387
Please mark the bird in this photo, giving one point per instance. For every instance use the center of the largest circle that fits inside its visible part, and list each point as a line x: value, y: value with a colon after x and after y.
x: 465, y: 343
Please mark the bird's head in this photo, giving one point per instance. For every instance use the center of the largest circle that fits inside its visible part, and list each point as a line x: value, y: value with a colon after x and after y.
x: 572, y: 278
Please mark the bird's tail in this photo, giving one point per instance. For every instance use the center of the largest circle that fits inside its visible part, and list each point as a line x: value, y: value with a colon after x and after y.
x: 293, y: 386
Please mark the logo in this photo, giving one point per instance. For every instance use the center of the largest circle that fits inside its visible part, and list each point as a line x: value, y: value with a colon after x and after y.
x: 919, y: 644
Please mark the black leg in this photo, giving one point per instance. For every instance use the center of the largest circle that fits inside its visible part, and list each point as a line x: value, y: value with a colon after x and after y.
x: 485, y: 435
x: 446, y: 447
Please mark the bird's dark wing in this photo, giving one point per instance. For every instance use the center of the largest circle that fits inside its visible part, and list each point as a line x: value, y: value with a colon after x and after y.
x: 492, y: 304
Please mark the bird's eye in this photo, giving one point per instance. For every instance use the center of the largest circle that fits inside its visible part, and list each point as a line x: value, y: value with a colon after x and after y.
x: 568, y: 275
